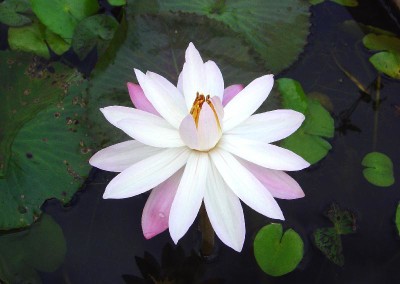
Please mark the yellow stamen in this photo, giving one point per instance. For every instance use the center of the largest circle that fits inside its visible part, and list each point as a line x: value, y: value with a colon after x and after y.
x: 198, y: 104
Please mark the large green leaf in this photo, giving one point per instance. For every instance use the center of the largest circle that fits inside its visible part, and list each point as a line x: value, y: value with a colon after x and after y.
x: 43, y: 145
x: 278, y: 253
x: 11, y: 12
x: 42, y: 248
x: 277, y: 29
x: 308, y: 140
x: 387, y: 62
x: 378, y: 169
x: 62, y: 16
x: 95, y: 31
x: 381, y: 42
x: 158, y: 43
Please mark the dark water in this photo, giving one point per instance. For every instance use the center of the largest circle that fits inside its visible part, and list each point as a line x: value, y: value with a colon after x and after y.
x: 104, y: 237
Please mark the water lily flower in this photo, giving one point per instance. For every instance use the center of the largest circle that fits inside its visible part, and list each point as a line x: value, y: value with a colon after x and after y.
x: 198, y: 142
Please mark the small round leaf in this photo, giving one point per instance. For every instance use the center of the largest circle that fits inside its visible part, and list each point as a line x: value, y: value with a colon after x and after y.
x: 276, y: 254
x: 379, y: 169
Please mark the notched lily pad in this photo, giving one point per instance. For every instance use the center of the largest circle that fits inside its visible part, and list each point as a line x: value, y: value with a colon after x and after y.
x: 42, y: 248
x: 13, y: 12
x: 328, y: 240
x: 308, y: 140
x: 275, y: 253
x: 379, y: 169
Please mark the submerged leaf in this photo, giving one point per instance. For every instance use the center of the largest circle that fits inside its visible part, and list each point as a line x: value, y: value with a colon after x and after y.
x: 379, y: 169
x: 277, y: 29
x: 308, y: 140
x: 343, y: 220
x: 348, y: 3
x: 11, y: 12
x: 276, y: 254
x: 42, y: 248
x: 330, y: 244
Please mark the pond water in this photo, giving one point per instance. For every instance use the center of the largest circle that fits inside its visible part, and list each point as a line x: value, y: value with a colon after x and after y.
x: 104, y: 238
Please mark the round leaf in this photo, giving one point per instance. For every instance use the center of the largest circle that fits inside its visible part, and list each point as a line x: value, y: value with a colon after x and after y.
x: 276, y: 254
x: 387, y: 62
x: 62, y: 16
x: 381, y: 42
x: 379, y: 169
x: 397, y: 220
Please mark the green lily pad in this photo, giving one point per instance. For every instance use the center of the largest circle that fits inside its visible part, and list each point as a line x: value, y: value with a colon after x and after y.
x: 347, y: 3
x: 117, y: 2
x: 379, y: 169
x: 95, y: 31
x: 36, y: 39
x: 11, y: 12
x: 381, y: 42
x: 62, y: 16
x: 387, y: 63
x: 43, y: 145
x: 277, y: 29
x: 42, y: 248
x: 397, y: 220
x: 328, y: 240
x: 308, y: 141
x: 277, y: 253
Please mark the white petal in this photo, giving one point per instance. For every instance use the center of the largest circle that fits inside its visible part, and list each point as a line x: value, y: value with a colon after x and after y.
x: 114, y: 114
x: 247, y: 101
x: 119, y: 157
x: 146, y: 174
x: 214, y: 80
x: 193, y: 77
x: 248, y: 188
x: 164, y: 96
x: 150, y: 129
x: 189, y: 195
x: 269, y: 126
x: 224, y: 211
x: 179, y: 86
x: 188, y: 132
x: 208, y: 129
x: 263, y: 154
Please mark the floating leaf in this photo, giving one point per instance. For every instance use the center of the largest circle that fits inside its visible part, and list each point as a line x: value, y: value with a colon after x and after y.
x: 307, y: 141
x: 117, y: 2
x: 330, y: 244
x: 36, y: 39
x: 62, y: 16
x: 381, y: 42
x: 95, y: 31
x: 348, y: 3
x: 379, y: 169
x: 387, y: 62
x: 43, y: 150
x: 277, y: 29
x: 315, y: 2
x: 276, y: 254
x: 398, y: 219
x: 328, y: 240
x: 42, y: 248
x: 158, y: 44
x: 11, y: 12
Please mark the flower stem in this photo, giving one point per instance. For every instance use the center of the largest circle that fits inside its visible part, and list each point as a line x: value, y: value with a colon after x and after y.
x: 207, y: 232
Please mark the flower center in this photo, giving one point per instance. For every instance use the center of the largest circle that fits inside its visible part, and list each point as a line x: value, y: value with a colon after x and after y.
x: 198, y: 104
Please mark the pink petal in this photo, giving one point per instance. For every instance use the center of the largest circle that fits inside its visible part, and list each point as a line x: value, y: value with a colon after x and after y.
x: 139, y: 99
x: 278, y: 183
x: 156, y: 211
x: 230, y: 92
x: 188, y: 132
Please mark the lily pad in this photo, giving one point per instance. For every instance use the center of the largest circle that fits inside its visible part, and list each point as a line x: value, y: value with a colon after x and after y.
x: 117, y: 2
x: 328, y: 240
x: 275, y: 253
x: 308, y: 141
x: 94, y: 32
x: 347, y: 3
x: 12, y: 12
x: 62, y: 16
x: 36, y: 39
x: 381, y: 42
x: 158, y: 43
x: 397, y: 220
x: 379, y: 169
x: 42, y: 248
x: 277, y: 29
x: 43, y: 150
x: 387, y: 63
